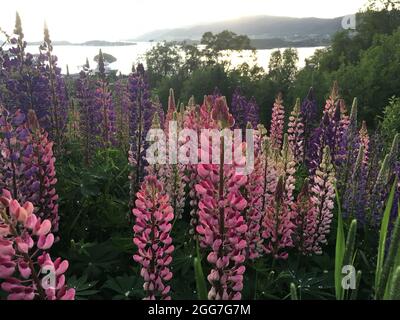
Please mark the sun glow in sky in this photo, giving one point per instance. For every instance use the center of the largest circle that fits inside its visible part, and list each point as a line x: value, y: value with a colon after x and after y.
x: 81, y: 20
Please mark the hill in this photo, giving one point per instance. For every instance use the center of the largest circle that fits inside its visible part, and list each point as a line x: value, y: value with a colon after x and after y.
x: 256, y: 27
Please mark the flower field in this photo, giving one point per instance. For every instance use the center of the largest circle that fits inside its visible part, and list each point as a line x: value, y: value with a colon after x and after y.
x: 86, y: 213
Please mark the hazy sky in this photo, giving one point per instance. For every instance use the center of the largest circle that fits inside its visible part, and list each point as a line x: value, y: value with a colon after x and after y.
x: 80, y: 20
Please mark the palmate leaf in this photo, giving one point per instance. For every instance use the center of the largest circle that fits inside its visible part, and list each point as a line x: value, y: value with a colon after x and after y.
x: 124, y: 287
x: 383, y: 236
x: 83, y: 288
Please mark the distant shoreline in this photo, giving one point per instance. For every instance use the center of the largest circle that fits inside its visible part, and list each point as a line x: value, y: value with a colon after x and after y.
x: 92, y: 43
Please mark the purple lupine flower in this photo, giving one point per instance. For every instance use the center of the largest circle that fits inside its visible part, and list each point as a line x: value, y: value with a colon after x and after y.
x: 90, y: 116
x: 331, y: 133
x: 58, y: 93
x: 379, y: 193
x: 103, y: 102
x: 122, y: 102
x: 238, y: 108
x: 28, y: 164
x: 253, y: 112
x: 16, y: 151
x: 354, y: 196
x: 140, y: 120
x: 244, y: 111
x: 349, y: 145
x: 308, y: 112
x: 324, y: 135
x: 24, y: 80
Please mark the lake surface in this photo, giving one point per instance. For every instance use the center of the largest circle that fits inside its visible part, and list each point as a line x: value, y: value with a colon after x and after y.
x: 75, y: 56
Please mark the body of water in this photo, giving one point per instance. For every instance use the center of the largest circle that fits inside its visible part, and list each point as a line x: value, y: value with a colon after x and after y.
x: 75, y: 56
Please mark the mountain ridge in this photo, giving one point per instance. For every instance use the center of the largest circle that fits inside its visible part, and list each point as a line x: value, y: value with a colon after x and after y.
x: 256, y: 27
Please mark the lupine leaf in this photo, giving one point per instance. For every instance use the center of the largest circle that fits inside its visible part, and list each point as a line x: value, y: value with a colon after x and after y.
x: 200, y: 280
x: 383, y: 236
x: 339, y: 253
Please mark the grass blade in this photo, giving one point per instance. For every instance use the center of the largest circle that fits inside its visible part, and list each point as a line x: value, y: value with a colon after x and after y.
x: 389, y: 267
x: 339, y: 253
x: 293, y: 292
x: 201, y: 284
x: 394, y: 293
x: 354, y: 293
x: 383, y: 236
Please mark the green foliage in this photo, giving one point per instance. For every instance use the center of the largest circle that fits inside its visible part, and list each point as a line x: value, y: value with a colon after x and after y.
x: 93, y: 200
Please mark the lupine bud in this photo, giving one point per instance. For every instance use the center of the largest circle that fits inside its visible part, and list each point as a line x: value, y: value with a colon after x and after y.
x: 277, y: 123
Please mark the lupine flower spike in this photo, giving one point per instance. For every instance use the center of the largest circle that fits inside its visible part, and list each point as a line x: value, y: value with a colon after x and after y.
x: 277, y: 123
x: 296, y: 133
x: 26, y: 269
x: 323, y: 195
x: 153, y: 216
x: 221, y: 226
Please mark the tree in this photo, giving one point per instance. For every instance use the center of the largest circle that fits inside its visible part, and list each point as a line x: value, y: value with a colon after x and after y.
x: 283, y: 68
x: 163, y: 60
x: 106, y: 58
x: 383, y: 4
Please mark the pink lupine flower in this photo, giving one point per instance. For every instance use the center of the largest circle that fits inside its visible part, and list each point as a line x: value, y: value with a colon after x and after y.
x: 288, y: 170
x: 344, y: 117
x: 24, y: 261
x: 305, y: 219
x: 171, y: 108
x: 222, y: 228
x: 277, y: 123
x: 44, y: 197
x: 277, y: 224
x: 330, y: 105
x: 322, y: 195
x: 253, y: 214
x: 280, y: 208
x: 173, y: 174
x: 152, y: 237
x: 296, y: 133
x: 196, y: 118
